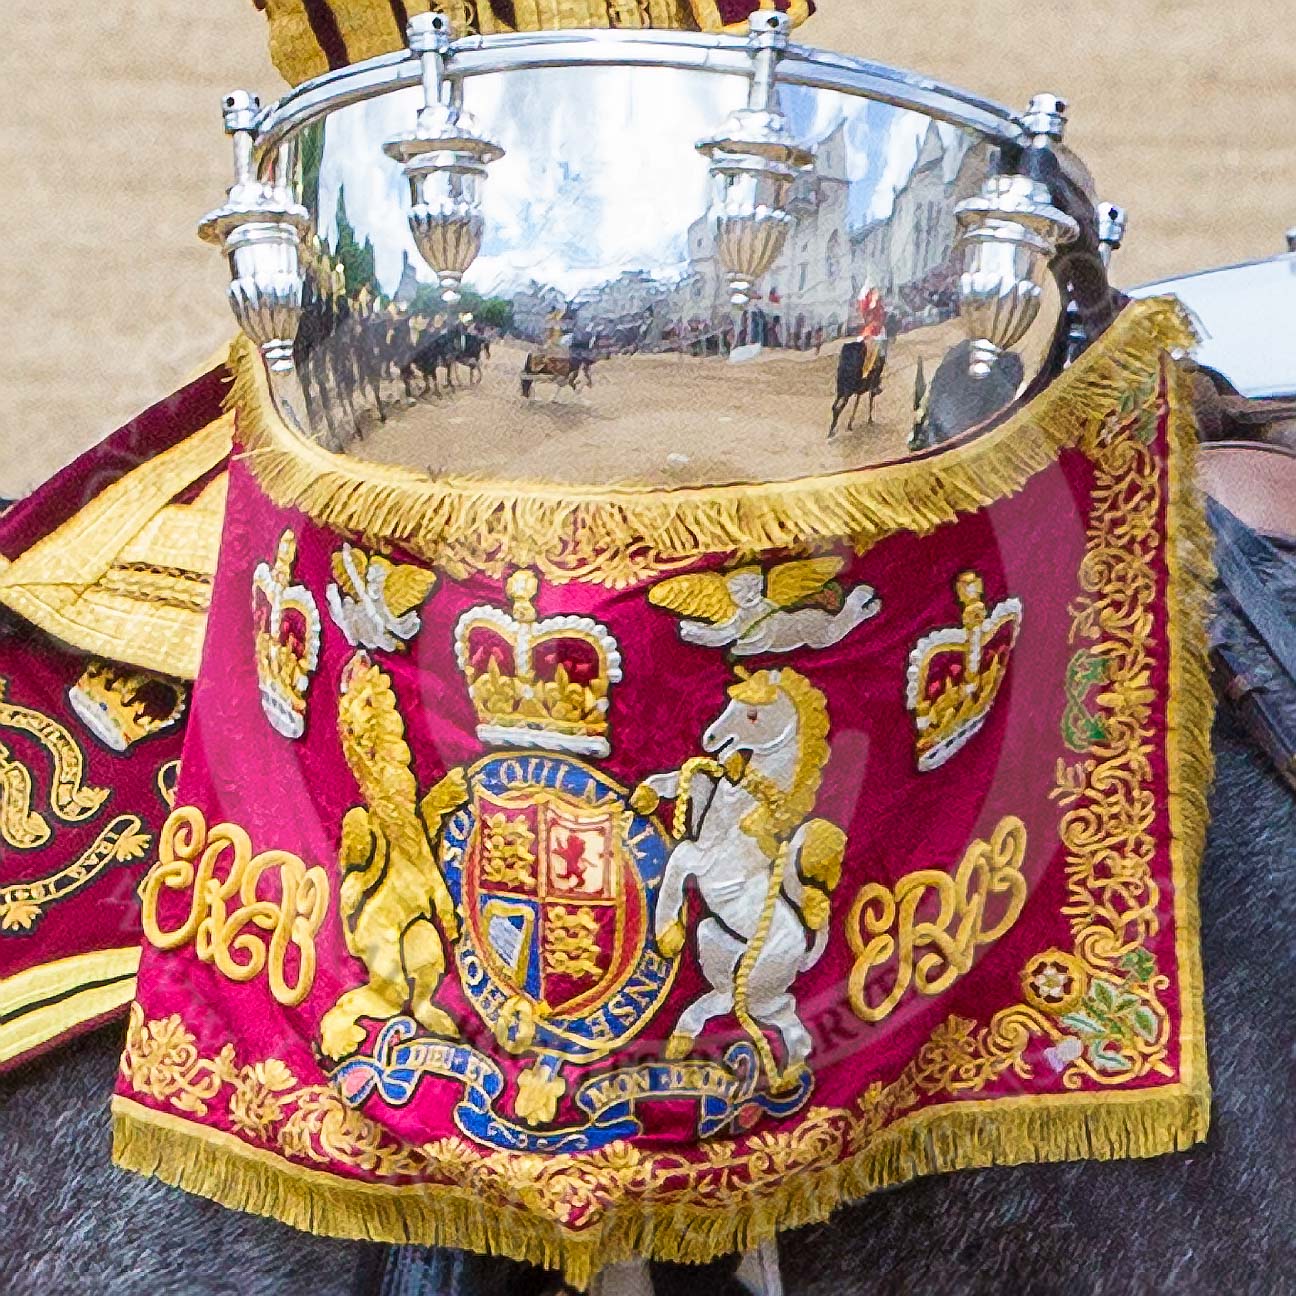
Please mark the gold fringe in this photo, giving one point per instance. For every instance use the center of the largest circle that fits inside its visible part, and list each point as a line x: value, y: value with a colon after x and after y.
x: 618, y: 536
x: 962, y: 1135
x: 1190, y: 717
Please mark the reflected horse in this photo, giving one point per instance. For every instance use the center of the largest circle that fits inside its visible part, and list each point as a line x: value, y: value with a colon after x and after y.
x: 859, y: 373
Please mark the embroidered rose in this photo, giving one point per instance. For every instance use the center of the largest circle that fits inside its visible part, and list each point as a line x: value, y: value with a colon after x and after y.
x: 621, y: 1160
x: 257, y: 1103
x: 1051, y: 983
x: 1054, y: 981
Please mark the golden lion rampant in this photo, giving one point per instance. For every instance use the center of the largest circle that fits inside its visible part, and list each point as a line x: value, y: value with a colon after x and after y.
x: 392, y: 887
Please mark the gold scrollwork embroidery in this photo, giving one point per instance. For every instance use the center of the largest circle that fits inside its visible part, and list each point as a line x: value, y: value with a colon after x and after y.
x: 931, y: 953
x: 71, y: 799
x: 119, y: 842
x: 168, y: 780
x: 161, y: 1060
x: 225, y: 935
x: 20, y: 824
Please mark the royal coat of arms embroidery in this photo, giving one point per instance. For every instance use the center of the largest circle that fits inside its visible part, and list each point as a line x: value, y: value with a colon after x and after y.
x: 563, y: 896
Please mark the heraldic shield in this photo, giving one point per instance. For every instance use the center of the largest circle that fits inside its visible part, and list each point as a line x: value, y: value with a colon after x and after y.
x: 556, y: 877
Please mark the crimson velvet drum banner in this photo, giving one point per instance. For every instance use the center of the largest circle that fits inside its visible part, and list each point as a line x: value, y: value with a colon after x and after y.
x: 581, y: 873
x: 105, y: 574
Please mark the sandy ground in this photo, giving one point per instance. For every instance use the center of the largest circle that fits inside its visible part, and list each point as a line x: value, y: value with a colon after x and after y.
x: 657, y: 419
x: 111, y: 149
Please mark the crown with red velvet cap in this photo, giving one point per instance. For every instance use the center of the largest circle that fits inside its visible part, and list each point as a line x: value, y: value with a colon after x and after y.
x: 538, y: 683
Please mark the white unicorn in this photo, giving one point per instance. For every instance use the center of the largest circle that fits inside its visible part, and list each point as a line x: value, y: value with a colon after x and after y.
x: 763, y: 868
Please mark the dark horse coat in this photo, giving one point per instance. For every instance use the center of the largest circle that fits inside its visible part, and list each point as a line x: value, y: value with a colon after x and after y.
x: 1221, y: 1218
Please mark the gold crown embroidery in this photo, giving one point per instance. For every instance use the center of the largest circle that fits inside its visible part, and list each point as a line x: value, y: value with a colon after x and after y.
x: 287, y: 622
x: 537, y: 683
x: 121, y: 707
x: 955, y: 673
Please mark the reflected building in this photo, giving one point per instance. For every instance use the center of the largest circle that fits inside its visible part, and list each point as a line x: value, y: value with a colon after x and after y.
x: 809, y: 286
x: 909, y: 255
x: 632, y: 294
x: 826, y: 267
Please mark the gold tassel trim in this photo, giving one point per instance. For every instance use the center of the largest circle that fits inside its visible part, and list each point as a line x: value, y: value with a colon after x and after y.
x: 964, y: 1135
x: 617, y: 536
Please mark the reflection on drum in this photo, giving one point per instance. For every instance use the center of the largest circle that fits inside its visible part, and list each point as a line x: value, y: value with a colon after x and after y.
x: 651, y: 256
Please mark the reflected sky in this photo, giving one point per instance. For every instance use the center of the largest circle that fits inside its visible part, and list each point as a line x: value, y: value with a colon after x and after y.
x: 601, y: 175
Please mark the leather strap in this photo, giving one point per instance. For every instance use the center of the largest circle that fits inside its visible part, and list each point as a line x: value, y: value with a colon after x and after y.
x: 1239, y: 551
x: 1253, y: 636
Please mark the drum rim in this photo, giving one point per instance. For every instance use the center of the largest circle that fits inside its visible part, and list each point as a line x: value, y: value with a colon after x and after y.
x: 683, y: 51
x: 1176, y: 285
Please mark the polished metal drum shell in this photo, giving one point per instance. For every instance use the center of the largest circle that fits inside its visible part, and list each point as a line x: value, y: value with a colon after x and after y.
x: 596, y: 339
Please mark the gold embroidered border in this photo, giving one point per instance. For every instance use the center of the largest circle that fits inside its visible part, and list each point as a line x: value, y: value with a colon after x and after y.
x: 166, y: 586
x: 618, y: 536
x: 22, y: 904
x: 966, y: 1135
x: 73, y: 583
x: 43, y: 1002
x: 581, y: 1213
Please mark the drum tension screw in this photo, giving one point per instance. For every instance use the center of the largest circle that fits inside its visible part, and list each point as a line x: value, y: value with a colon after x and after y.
x: 444, y: 160
x: 754, y: 162
x: 1112, y: 223
x: 259, y: 228
x: 1009, y: 233
x: 1045, y: 119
